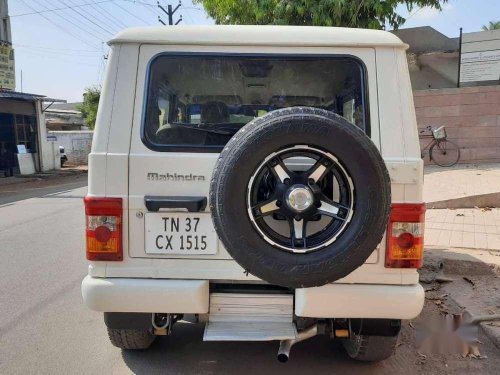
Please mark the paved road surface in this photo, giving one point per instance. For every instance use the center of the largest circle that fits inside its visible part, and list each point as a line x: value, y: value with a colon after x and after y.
x: 14, y: 193
x: 45, y: 329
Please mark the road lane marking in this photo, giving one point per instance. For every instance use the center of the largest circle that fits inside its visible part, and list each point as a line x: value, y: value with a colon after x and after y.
x: 59, y: 192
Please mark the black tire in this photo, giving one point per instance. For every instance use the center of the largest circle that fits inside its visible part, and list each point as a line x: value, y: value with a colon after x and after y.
x: 268, y: 134
x: 370, y: 348
x: 131, y: 339
x: 445, y: 153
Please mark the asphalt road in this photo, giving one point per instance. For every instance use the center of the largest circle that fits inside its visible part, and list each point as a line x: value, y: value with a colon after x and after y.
x: 45, y: 329
x: 14, y: 193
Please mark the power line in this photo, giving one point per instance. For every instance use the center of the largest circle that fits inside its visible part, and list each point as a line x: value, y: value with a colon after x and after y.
x: 56, y: 25
x: 88, y: 19
x: 415, y: 12
x: 189, y: 15
x: 107, y: 18
x: 62, y: 53
x: 55, y: 9
x: 127, y: 11
x: 103, y: 9
x: 57, y: 58
x: 147, y: 6
x: 96, y: 34
x: 54, y: 48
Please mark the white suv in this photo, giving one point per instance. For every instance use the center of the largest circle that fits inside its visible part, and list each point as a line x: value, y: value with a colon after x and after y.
x: 264, y: 180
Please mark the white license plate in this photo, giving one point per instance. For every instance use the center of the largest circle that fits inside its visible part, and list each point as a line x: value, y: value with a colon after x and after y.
x: 180, y: 233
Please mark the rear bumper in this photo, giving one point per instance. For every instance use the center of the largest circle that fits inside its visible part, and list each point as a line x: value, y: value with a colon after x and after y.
x: 360, y: 301
x: 192, y: 297
x: 145, y: 295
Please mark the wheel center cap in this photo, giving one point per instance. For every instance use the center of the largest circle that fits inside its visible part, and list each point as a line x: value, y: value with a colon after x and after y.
x: 299, y: 198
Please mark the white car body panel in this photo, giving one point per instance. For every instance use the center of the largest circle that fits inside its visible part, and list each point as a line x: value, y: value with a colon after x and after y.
x: 119, y: 161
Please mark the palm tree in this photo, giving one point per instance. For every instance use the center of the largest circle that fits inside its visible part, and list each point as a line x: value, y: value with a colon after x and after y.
x: 493, y: 25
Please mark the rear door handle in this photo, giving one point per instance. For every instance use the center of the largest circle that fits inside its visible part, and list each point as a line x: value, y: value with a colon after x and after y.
x: 192, y: 204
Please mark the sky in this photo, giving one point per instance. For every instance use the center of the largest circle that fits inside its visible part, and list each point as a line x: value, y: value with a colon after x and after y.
x: 60, y: 44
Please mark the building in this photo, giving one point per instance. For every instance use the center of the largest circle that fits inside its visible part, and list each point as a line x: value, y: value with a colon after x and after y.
x: 24, y: 145
x: 435, y: 60
x: 466, y: 103
x: 64, y: 117
x: 432, y: 58
x: 7, y: 66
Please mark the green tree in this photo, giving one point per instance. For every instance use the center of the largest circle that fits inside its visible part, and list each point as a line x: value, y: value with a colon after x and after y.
x: 89, y: 106
x: 373, y: 14
x: 493, y: 25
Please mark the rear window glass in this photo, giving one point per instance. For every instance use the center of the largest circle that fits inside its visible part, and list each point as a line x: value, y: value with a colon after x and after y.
x: 198, y: 102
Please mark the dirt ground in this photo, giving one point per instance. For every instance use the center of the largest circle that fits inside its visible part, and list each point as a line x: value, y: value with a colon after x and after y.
x: 434, y: 339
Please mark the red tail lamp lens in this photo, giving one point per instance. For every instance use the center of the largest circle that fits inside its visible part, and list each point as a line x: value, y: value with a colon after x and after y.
x: 406, y: 240
x: 102, y: 234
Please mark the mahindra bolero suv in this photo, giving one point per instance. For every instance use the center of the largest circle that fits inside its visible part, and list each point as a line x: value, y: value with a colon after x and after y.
x: 263, y: 180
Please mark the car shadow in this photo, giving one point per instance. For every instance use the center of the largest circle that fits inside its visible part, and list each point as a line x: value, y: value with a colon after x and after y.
x: 184, y: 352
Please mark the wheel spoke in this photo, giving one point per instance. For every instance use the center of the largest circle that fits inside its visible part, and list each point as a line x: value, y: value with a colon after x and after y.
x: 319, y: 170
x: 333, y: 209
x: 298, y: 229
x: 279, y: 170
x: 298, y: 233
x: 442, y: 147
x: 265, y: 208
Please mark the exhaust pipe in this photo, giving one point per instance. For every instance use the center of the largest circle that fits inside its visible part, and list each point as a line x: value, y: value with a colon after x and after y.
x: 286, y: 345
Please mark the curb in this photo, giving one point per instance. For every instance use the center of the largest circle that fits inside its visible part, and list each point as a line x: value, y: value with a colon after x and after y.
x: 471, y: 201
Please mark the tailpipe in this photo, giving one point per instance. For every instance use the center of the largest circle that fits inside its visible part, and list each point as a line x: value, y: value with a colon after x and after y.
x: 286, y: 345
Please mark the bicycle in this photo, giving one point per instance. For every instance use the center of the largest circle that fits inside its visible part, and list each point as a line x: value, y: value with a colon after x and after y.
x: 443, y: 152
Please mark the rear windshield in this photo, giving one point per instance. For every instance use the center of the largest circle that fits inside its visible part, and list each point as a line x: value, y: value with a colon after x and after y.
x: 198, y: 102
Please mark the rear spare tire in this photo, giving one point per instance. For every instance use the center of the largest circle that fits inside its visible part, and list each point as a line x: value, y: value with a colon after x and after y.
x: 300, y: 197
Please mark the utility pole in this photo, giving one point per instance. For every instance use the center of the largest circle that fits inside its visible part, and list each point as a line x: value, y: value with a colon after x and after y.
x: 170, y: 13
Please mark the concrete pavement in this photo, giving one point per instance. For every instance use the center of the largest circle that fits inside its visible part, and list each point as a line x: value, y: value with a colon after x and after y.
x: 462, y: 180
x: 463, y: 186
x: 463, y: 228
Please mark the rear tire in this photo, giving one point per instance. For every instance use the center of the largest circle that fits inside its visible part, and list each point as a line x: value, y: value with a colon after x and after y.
x: 131, y: 339
x: 370, y: 348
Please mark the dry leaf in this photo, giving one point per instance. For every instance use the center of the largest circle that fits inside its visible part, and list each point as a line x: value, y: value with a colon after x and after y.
x: 469, y: 281
x: 474, y: 351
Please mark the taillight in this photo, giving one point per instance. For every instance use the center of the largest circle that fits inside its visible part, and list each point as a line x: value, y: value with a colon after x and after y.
x: 103, y: 222
x: 405, y: 236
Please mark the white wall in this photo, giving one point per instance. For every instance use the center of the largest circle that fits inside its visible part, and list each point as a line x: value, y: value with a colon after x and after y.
x: 77, y: 144
x: 49, y: 151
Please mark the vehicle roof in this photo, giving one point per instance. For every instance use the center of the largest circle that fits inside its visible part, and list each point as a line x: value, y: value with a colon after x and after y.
x: 309, y: 36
